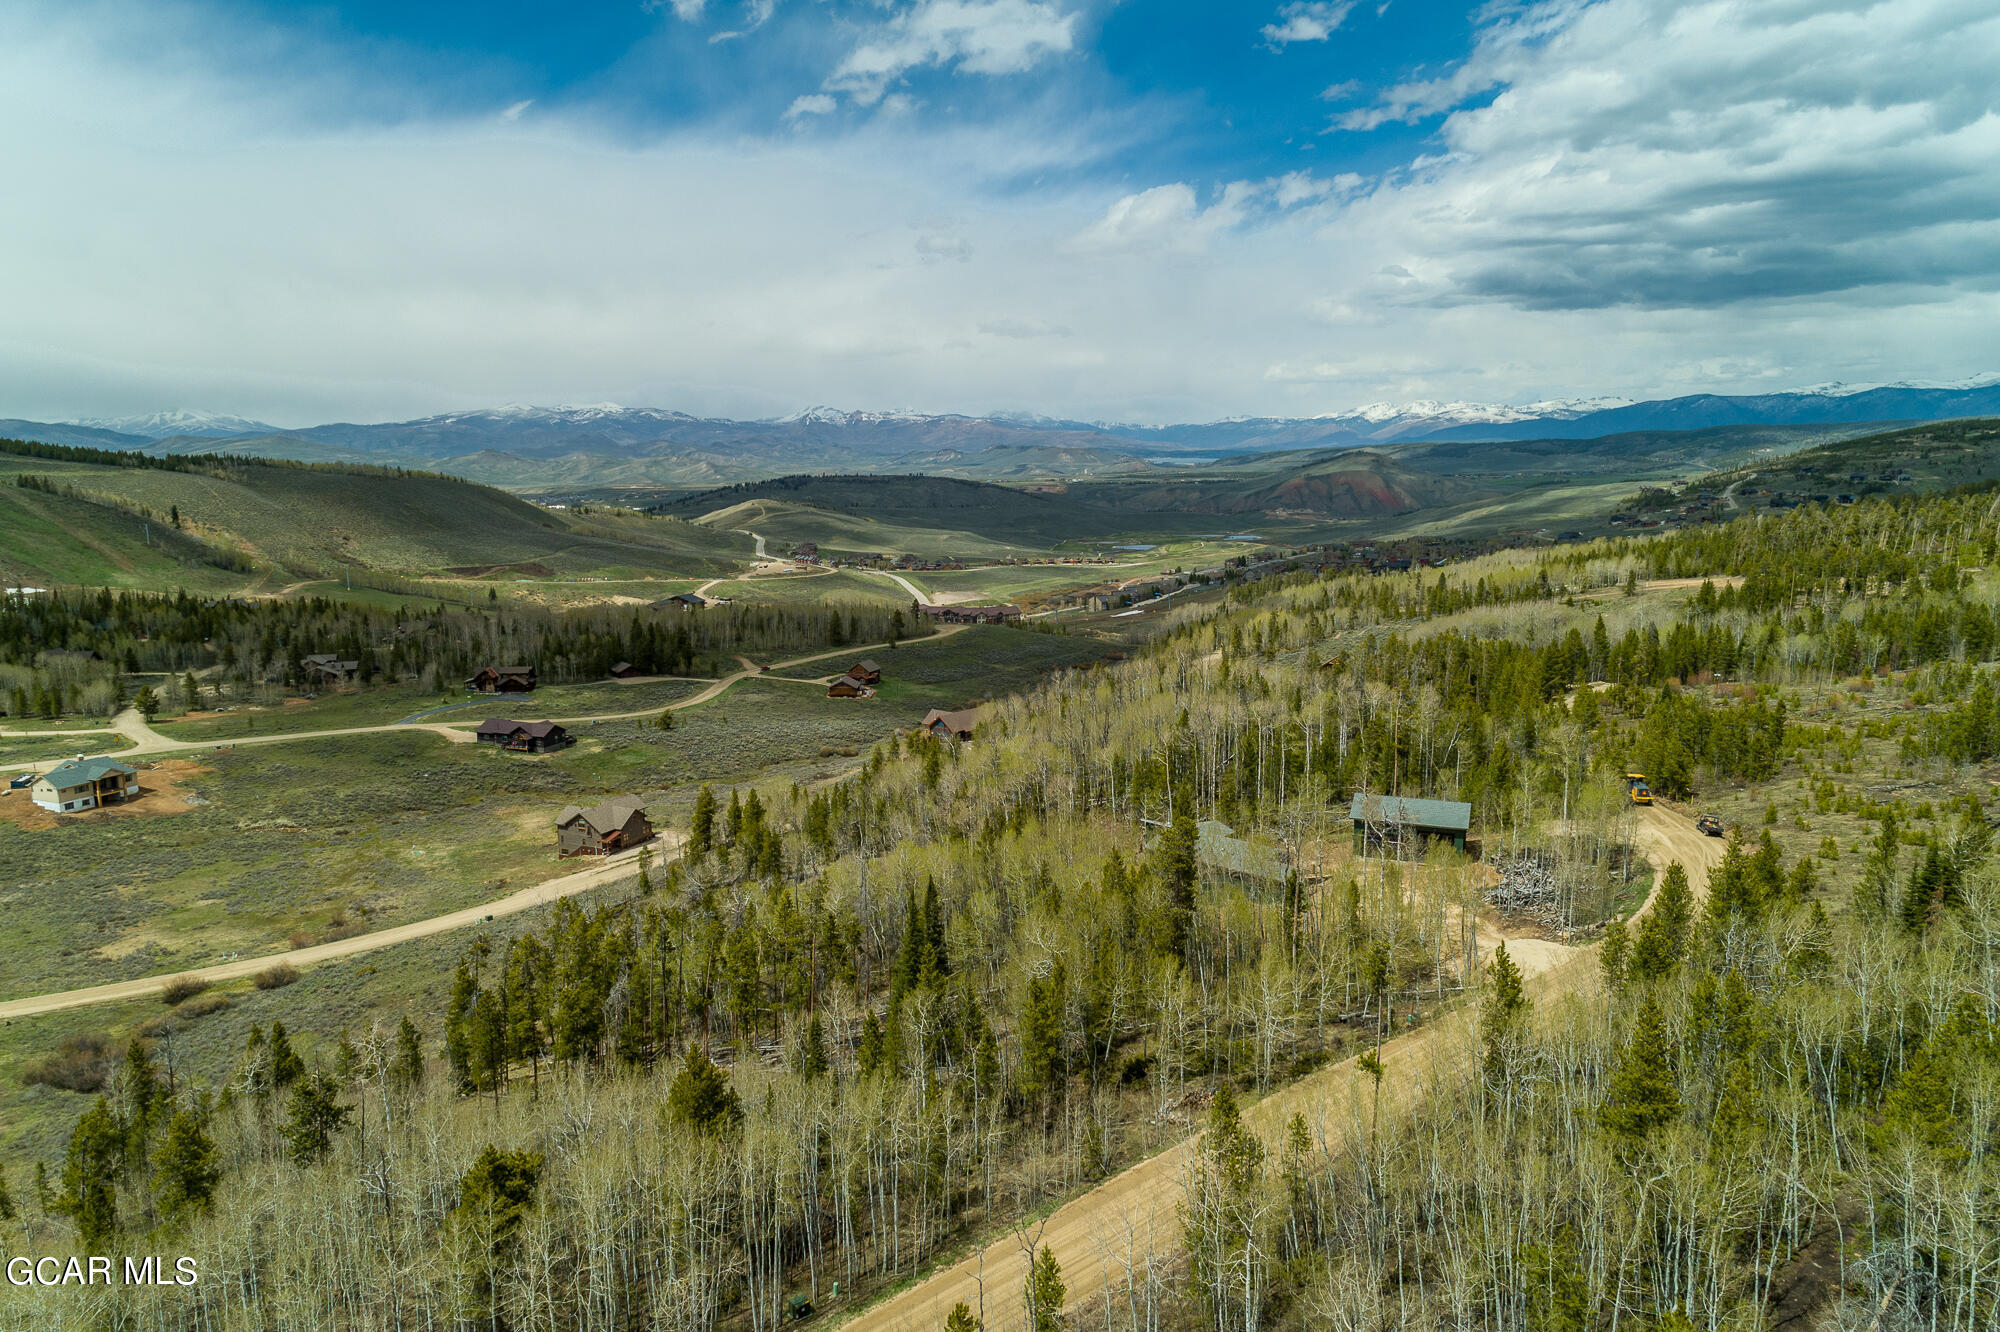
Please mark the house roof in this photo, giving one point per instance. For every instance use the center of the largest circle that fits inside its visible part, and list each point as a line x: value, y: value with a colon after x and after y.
x: 607, y: 817
x: 1216, y: 844
x: 77, y: 772
x: 1455, y: 815
x: 618, y: 666
x: 539, y: 730
x: 965, y: 719
x: 867, y: 665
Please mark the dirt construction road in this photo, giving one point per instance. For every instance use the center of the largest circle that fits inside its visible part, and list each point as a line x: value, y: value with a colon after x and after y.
x: 1134, y: 1212
x: 599, y: 874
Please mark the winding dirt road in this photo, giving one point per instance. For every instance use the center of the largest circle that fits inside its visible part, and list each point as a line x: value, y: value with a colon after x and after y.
x: 145, y: 740
x: 1133, y: 1213
x: 599, y: 874
x: 148, y: 740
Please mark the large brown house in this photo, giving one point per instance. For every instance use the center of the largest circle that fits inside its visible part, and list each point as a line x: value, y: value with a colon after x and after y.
x: 957, y: 725
x: 614, y: 826
x: 503, y: 680
x: 327, y: 668
x: 522, y: 737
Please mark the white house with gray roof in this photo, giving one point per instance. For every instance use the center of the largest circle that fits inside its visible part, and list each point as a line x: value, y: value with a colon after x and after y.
x: 83, y: 783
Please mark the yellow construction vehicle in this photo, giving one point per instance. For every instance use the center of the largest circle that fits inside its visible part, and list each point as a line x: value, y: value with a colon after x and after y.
x: 1637, y: 789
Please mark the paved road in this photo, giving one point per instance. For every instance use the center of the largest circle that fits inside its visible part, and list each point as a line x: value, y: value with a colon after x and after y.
x: 1134, y: 1211
x: 599, y: 874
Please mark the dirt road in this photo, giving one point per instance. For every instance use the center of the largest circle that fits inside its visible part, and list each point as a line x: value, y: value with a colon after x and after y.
x: 145, y: 740
x: 1134, y: 1212
x: 606, y: 871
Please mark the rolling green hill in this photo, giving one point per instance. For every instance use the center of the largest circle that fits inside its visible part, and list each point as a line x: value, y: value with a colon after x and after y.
x: 1935, y: 456
x: 50, y: 538
x: 313, y: 519
x: 922, y: 514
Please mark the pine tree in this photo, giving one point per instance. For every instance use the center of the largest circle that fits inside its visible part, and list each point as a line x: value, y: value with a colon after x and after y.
x: 1041, y: 1033
x: 495, y: 1194
x: 1177, y: 874
x: 1663, y: 934
x: 89, y: 1192
x: 701, y: 830
x: 960, y: 1319
x: 1923, y: 898
x: 281, y: 1060
x: 1616, y: 954
x: 140, y: 1096
x: 701, y: 1096
x: 315, y: 1115
x: 1643, y: 1094
x: 186, y: 1169
x: 870, y: 1055
x: 409, y: 1067
x: 1505, y: 1011
x: 812, y: 1051
x: 1046, y: 1293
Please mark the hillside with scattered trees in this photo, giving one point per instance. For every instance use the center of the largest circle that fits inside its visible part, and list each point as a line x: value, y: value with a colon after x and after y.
x: 853, y: 1028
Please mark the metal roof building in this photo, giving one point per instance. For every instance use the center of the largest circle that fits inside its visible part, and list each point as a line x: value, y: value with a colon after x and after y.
x: 1399, y: 824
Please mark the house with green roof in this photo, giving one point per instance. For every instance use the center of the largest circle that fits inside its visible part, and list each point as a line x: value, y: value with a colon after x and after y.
x: 1399, y: 826
x: 84, y: 783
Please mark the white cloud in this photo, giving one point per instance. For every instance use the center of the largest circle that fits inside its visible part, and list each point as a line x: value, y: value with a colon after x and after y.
x: 1305, y: 21
x: 514, y: 112
x: 976, y: 36
x: 1656, y: 153
x: 1825, y: 176
x: 812, y: 104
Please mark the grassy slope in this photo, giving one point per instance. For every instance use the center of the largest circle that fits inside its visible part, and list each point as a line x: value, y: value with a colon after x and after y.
x: 318, y: 519
x: 46, y: 539
x: 1949, y: 453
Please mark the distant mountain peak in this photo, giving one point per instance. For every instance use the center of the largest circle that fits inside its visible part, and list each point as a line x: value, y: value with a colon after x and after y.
x: 163, y: 425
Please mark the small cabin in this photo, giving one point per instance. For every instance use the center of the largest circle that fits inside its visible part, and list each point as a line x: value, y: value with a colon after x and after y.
x: 686, y: 601
x: 84, y: 783
x: 523, y: 737
x: 866, y: 671
x: 503, y: 680
x: 625, y: 670
x: 849, y: 686
x: 1395, y: 826
x: 614, y: 826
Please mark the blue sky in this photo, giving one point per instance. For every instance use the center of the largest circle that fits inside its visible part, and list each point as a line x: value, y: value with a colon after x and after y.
x: 1145, y: 210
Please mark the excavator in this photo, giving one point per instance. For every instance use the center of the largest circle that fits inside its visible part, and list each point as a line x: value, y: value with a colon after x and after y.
x: 1637, y: 790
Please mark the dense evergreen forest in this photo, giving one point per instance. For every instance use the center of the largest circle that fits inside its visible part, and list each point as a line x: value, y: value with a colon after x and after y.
x: 73, y: 651
x: 852, y: 1026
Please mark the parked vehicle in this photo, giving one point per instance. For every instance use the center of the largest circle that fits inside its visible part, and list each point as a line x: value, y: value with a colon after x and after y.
x: 1710, y: 825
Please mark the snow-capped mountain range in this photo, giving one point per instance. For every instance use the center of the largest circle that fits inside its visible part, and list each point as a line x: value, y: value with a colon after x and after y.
x: 818, y: 437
